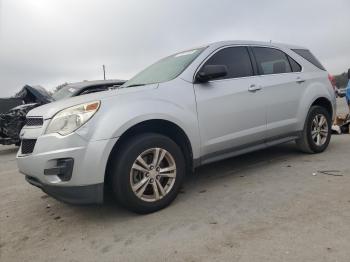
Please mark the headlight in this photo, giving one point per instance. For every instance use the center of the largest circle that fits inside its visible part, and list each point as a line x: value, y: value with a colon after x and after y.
x: 70, y: 119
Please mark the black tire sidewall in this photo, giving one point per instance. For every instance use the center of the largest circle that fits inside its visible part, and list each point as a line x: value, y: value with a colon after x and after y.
x: 129, y: 151
x: 315, y: 110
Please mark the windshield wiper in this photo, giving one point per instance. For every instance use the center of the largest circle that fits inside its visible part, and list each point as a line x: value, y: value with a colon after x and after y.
x: 136, y: 85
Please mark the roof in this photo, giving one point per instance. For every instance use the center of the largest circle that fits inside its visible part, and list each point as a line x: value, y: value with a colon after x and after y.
x: 248, y: 42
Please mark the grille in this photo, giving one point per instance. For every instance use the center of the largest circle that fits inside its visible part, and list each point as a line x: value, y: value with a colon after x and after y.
x: 27, y: 146
x: 34, y: 121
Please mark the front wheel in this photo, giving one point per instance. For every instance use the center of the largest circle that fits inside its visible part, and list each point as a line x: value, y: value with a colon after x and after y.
x: 148, y: 172
x: 317, y: 131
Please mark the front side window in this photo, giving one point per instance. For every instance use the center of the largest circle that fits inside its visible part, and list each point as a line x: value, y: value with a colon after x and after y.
x: 164, y: 70
x: 236, y: 59
x: 271, y: 61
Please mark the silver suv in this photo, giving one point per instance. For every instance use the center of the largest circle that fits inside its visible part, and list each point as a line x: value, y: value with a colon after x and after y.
x: 188, y: 109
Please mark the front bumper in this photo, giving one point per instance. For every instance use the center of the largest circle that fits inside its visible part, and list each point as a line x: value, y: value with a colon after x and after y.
x: 85, y: 182
x: 74, y: 194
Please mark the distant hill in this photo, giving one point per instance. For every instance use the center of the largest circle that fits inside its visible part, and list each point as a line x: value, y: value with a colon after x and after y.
x: 341, y: 80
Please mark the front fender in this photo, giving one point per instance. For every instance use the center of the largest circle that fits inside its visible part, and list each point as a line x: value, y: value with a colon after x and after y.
x: 118, y: 114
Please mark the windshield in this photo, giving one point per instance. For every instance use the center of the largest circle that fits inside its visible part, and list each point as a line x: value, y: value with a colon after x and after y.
x: 165, y: 69
x: 64, y: 92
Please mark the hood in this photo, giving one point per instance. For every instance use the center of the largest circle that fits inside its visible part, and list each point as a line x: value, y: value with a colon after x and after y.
x: 21, y: 107
x: 34, y: 94
x: 49, y: 110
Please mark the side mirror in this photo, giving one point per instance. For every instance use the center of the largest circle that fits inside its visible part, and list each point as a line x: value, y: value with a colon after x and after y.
x: 210, y: 72
x: 349, y: 74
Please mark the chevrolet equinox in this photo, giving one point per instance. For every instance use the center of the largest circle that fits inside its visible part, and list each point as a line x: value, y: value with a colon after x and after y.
x: 188, y: 109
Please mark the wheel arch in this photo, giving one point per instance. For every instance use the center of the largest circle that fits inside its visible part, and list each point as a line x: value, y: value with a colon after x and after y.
x: 159, y: 126
x: 307, y: 103
x: 325, y: 103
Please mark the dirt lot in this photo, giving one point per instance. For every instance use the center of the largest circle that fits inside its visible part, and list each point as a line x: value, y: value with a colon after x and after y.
x: 271, y: 205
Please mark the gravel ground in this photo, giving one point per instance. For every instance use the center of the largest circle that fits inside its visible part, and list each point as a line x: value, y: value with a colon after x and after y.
x: 271, y: 205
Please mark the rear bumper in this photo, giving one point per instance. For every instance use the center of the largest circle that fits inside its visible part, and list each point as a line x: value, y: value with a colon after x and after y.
x: 91, y: 194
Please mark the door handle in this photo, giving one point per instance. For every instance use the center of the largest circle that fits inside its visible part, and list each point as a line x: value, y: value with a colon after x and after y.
x: 300, y: 80
x: 254, y: 88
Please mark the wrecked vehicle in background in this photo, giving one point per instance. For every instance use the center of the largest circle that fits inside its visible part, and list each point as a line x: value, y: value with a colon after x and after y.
x: 86, y: 87
x: 13, y: 110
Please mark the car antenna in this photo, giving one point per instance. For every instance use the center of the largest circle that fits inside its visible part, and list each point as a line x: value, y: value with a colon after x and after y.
x: 104, y: 72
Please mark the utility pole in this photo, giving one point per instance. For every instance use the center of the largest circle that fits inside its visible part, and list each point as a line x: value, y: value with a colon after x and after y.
x: 104, y: 72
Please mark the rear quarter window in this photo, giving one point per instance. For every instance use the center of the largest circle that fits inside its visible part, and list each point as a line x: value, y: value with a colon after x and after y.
x: 306, y: 54
x: 295, y: 66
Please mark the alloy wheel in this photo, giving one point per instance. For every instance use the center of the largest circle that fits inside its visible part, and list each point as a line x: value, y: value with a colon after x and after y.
x: 153, y: 174
x: 319, y: 129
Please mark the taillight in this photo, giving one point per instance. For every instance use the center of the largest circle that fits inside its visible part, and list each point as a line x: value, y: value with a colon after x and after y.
x: 332, y: 80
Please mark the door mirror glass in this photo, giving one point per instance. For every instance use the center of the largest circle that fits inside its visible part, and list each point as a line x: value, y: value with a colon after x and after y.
x: 349, y: 74
x: 210, y: 72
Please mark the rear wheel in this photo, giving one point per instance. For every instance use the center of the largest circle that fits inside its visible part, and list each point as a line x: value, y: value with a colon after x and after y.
x: 147, y: 173
x: 317, y: 131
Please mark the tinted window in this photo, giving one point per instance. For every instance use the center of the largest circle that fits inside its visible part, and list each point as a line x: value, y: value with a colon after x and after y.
x: 295, y: 66
x: 94, y: 89
x: 271, y: 61
x: 306, y: 54
x: 236, y: 59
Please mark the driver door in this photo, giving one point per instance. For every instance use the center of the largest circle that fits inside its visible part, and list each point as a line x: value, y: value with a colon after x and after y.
x: 231, y: 109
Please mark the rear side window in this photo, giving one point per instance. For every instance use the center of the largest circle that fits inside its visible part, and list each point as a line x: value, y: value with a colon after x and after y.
x: 271, y: 61
x: 236, y: 59
x: 306, y: 54
x: 295, y: 66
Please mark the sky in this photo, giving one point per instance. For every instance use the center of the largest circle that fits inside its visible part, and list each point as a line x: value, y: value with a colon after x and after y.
x: 49, y: 42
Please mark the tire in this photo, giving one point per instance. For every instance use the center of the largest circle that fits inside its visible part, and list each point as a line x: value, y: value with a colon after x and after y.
x: 315, y: 139
x: 128, y: 173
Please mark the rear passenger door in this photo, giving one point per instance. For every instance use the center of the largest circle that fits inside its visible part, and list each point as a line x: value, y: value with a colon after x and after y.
x: 231, y: 110
x: 283, y: 85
